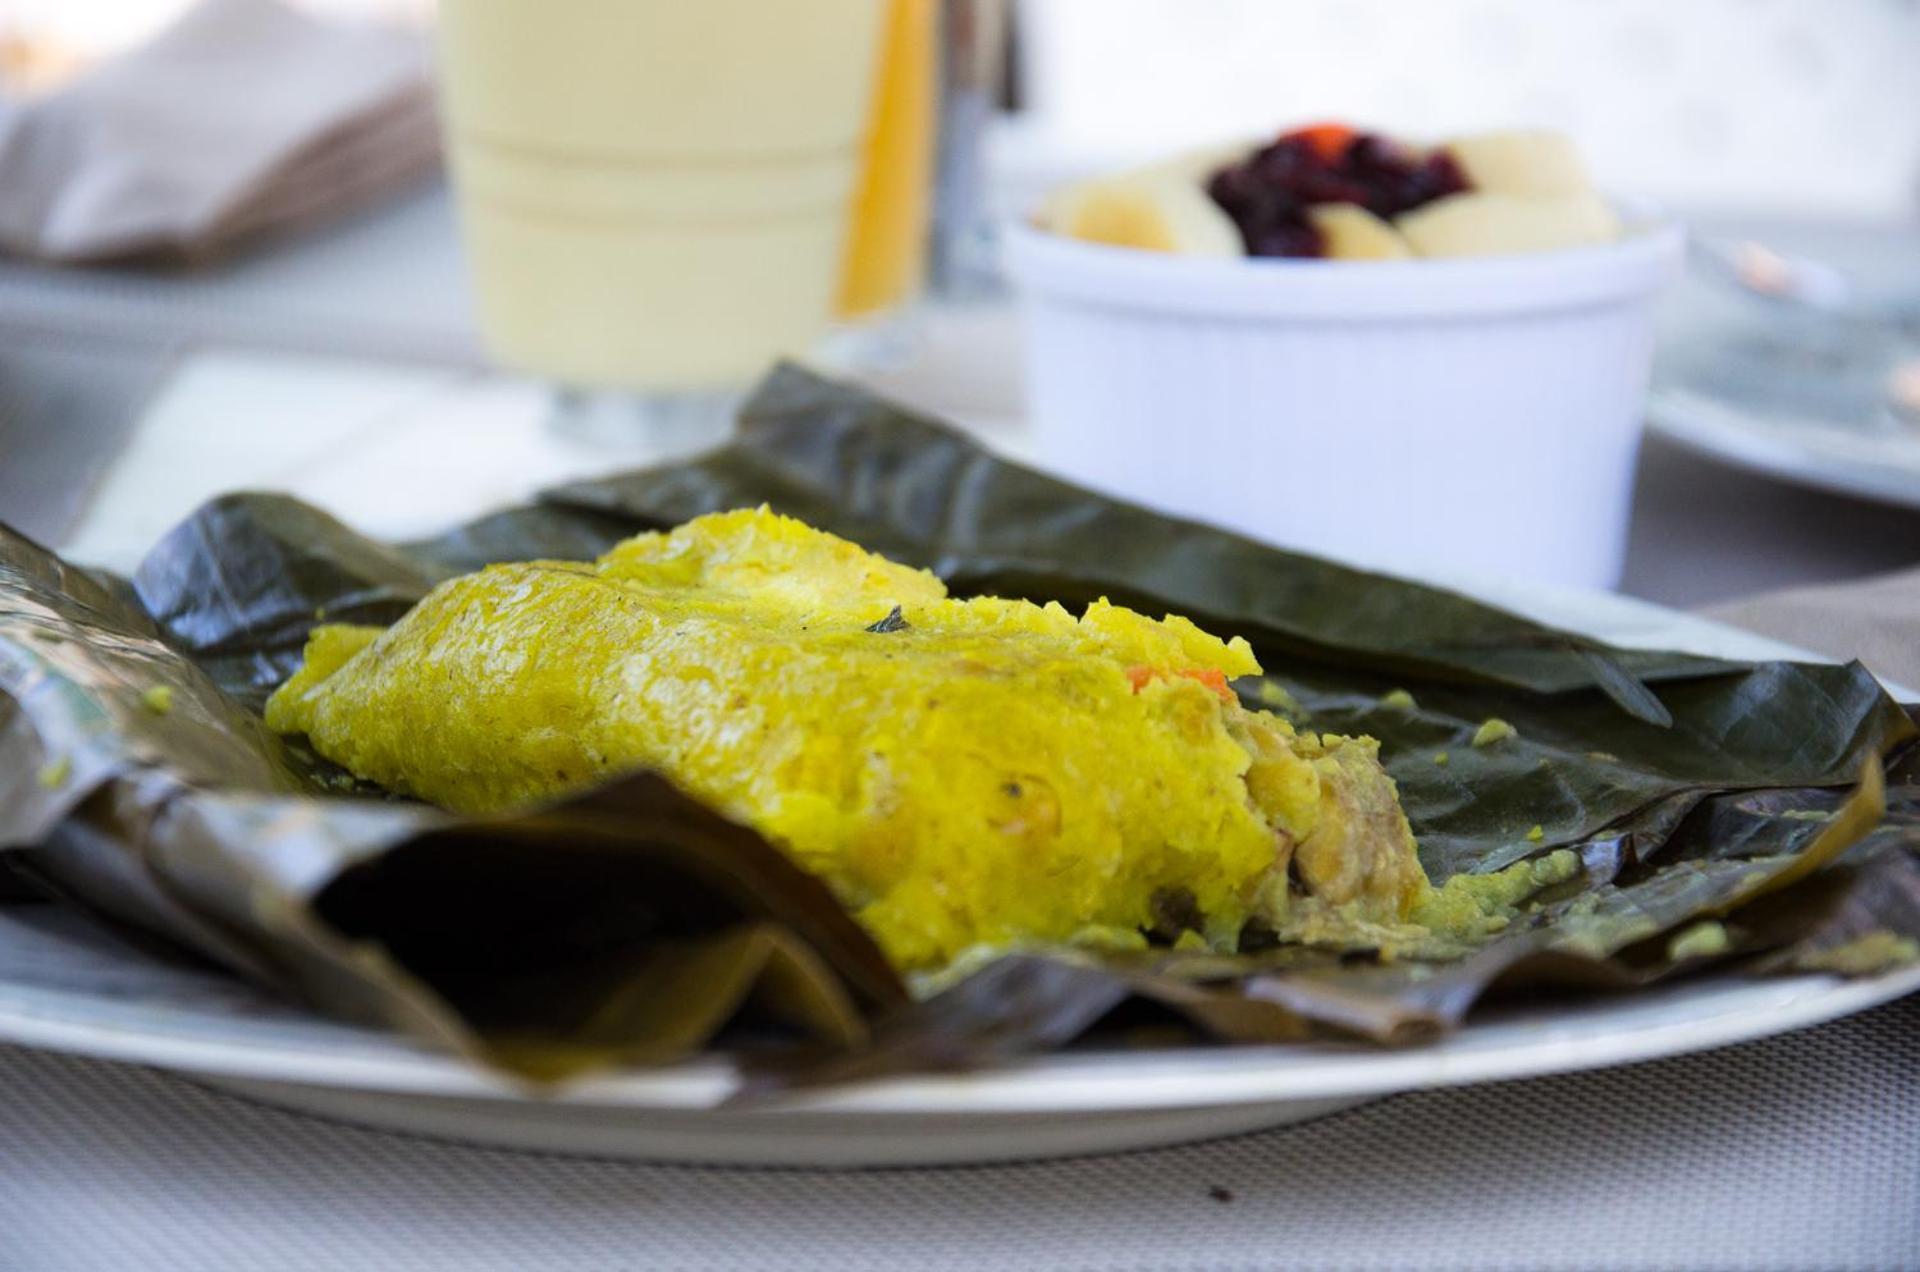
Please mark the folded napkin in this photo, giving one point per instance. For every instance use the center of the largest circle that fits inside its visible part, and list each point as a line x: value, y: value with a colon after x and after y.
x: 243, y: 118
x: 1876, y: 620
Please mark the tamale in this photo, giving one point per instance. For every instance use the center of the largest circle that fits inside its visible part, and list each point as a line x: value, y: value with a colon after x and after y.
x: 962, y: 772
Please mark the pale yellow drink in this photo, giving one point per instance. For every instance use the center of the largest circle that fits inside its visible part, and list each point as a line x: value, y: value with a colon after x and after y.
x: 655, y: 194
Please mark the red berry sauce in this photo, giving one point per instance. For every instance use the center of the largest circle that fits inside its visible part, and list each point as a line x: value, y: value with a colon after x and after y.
x: 1268, y: 194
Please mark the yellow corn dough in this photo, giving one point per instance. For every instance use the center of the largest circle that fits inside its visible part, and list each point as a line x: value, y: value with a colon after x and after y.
x: 961, y: 773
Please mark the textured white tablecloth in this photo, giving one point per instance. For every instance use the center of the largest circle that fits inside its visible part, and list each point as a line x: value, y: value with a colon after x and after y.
x: 1796, y: 1152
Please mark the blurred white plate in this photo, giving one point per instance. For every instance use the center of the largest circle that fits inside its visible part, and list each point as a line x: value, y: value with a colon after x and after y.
x: 67, y: 986
x: 1881, y: 464
x: 1794, y: 394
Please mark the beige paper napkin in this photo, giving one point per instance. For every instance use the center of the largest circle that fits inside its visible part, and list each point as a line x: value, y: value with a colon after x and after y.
x: 1876, y: 620
x: 243, y: 118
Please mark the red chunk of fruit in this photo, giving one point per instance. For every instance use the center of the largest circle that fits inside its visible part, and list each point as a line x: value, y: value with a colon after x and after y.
x: 1328, y: 141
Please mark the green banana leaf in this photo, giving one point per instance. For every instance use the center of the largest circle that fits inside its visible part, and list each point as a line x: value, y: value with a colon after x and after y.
x: 1723, y: 814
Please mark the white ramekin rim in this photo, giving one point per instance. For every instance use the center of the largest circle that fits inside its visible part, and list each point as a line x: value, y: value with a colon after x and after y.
x: 1056, y: 267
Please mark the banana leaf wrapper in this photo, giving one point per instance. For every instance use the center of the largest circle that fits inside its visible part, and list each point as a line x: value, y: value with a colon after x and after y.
x: 1723, y: 813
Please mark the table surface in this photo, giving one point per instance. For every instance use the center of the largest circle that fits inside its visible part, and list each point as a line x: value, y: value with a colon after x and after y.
x: 1791, y: 1152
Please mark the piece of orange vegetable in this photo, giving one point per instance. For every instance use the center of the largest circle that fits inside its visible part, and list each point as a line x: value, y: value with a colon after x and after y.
x: 1141, y: 675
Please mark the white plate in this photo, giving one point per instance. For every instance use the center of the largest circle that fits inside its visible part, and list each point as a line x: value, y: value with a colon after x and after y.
x: 65, y: 985
x: 1797, y: 395
x: 1881, y: 463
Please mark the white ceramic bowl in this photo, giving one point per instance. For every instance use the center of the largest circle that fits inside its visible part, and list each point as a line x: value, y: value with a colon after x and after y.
x: 1477, y: 415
